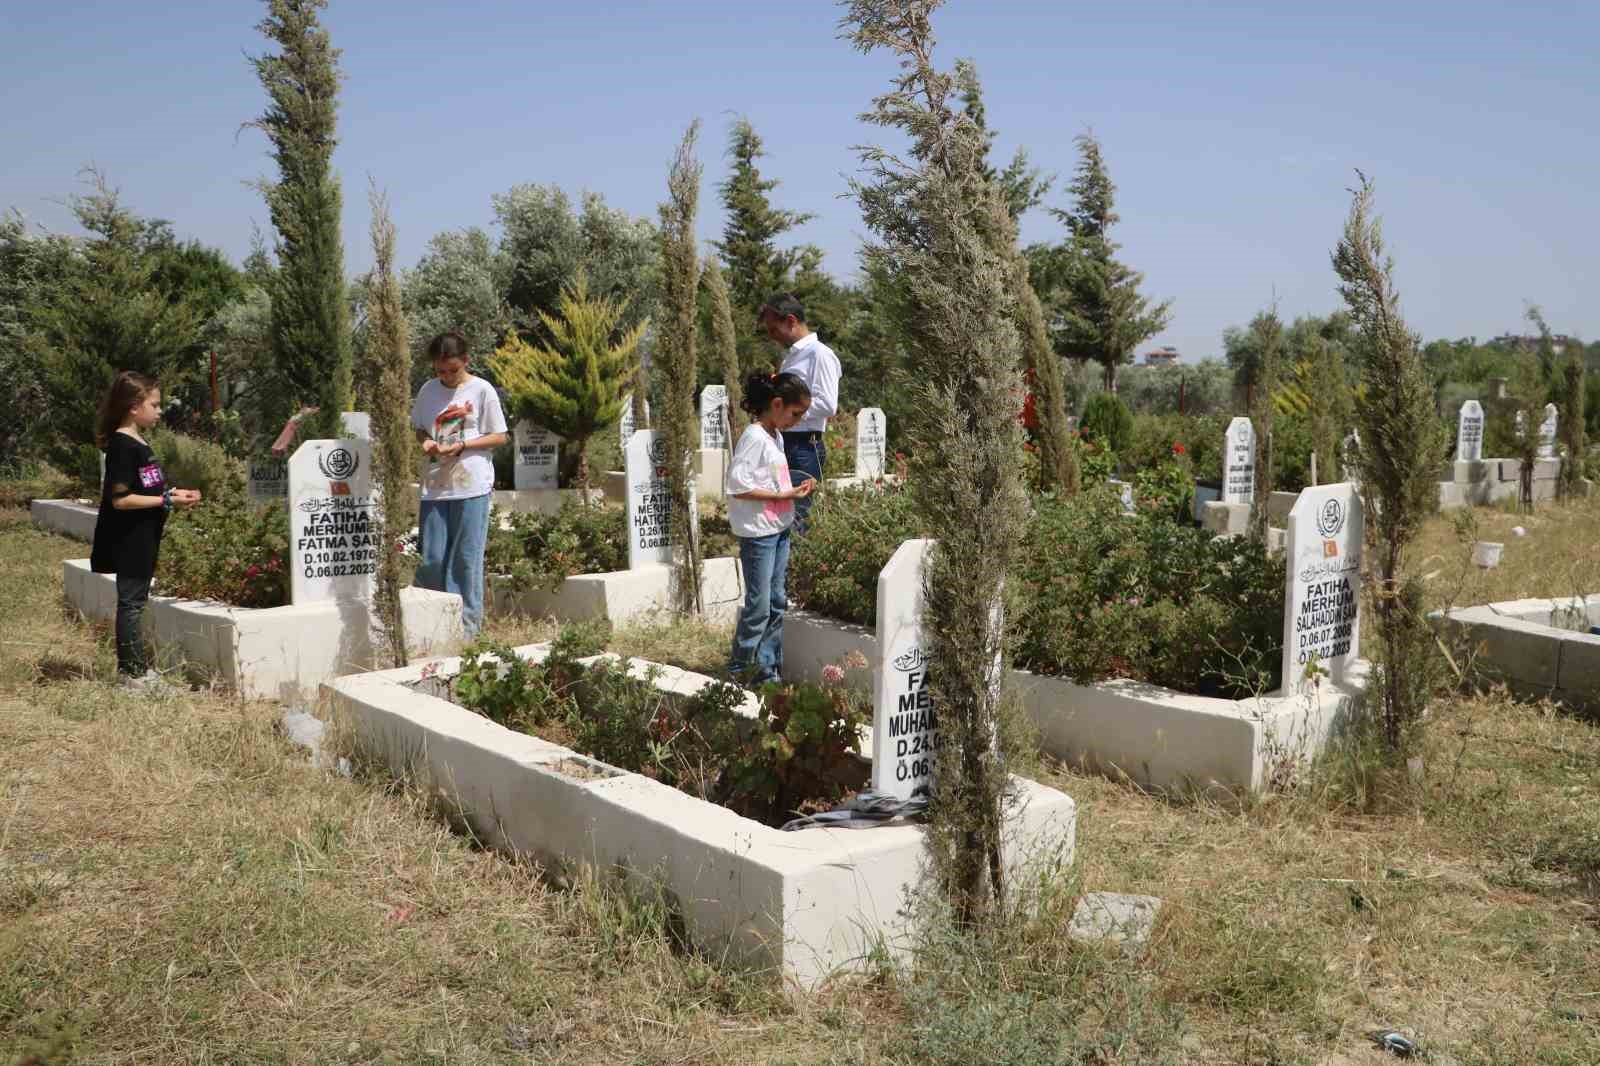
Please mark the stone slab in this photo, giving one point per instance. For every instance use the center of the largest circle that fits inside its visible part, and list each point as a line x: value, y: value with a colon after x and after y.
x: 1117, y: 918
x: 1225, y: 519
x: 809, y: 903
x: 545, y: 501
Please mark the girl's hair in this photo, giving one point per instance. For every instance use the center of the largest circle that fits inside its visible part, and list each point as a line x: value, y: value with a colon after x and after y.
x: 760, y: 389
x: 448, y: 345
x: 127, y: 391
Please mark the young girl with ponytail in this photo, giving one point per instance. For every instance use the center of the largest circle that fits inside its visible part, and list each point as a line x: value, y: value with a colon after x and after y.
x: 761, y: 511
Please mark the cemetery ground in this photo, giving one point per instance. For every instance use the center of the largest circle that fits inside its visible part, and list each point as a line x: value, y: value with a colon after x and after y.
x: 178, y: 884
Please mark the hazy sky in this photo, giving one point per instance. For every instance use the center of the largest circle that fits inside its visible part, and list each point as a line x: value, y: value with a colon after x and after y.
x: 1231, y: 128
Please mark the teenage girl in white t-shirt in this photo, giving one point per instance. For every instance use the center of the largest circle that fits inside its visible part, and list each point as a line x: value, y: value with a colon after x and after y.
x: 761, y: 511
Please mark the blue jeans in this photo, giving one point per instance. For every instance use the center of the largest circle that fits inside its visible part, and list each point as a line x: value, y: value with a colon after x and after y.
x: 132, y: 595
x: 806, y: 455
x: 758, y: 640
x: 453, y: 533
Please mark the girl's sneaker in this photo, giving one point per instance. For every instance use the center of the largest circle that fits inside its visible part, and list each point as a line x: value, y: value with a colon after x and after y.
x: 149, y: 681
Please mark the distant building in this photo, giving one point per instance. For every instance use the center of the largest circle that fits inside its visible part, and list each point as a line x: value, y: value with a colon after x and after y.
x: 1166, y: 356
x: 1558, y: 342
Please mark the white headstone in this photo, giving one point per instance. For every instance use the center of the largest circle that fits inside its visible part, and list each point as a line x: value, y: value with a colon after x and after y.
x: 1322, y: 605
x: 333, y: 547
x: 1348, y: 452
x: 905, y: 731
x: 626, y: 427
x: 872, y: 443
x: 1239, y: 462
x: 649, y: 500
x: 1547, y: 432
x: 356, y: 424
x: 714, y: 417
x: 1124, y: 493
x: 537, y: 459
x: 1469, y: 433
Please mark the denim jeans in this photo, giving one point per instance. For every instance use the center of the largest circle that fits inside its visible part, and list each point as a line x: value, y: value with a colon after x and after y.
x: 132, y: 594
x: 806, y: 455
x: 453, y: 533
x: 758, y: 641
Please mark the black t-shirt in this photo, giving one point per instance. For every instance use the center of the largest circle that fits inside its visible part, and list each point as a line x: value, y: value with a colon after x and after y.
x: 126, y: 542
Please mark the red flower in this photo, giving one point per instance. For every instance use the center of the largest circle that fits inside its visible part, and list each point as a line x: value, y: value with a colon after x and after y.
x: 1177, y: 447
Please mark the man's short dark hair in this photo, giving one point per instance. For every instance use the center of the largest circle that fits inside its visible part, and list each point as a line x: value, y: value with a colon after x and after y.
x: 785, y: 304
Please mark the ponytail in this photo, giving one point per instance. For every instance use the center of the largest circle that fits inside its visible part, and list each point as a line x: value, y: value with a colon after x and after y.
x: 128, y: 390
x: 761, y: 389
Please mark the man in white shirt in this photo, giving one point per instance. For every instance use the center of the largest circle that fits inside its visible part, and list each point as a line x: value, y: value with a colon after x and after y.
x: 813, y: 362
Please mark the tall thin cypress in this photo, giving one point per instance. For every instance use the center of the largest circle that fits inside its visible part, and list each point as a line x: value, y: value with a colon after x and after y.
x: 388, y: 370
x: 1401, y: 441
x: 1267, y: 329
x: 1572, y: 415
x: 725, y: 344
x: 310, y: 312
x: 675, y: 355
x: 941, y: 224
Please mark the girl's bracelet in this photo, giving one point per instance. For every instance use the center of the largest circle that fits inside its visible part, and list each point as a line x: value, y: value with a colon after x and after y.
x: 166, y: 499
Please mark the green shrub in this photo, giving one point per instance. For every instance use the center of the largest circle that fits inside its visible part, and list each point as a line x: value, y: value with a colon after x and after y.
x: 840, y: 442
x: 798, y: 755
x: 1147, y: 598
x: 1098, y: 594
x: 1107, y: 421
x: 227, y: 550
x: 194, y: 463
x: 833, y: 569
x: 543, y: 550
x: 1200, y: 435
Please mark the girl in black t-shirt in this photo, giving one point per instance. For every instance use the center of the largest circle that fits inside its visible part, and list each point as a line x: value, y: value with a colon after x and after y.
x: 134, y: 501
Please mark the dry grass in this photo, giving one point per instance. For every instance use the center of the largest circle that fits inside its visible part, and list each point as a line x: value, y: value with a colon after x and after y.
x: 1557, y: 556
x: 178, y: 885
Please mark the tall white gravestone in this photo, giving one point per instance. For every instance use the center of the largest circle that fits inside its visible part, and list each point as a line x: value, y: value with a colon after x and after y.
x: 872, y: 441
x: 1469, y: 433
x: 1239, y: 462
x: 1547, y: 432
x: 333, y: 544
x: 714, y: 417
x: 537, y: 458
x: 1322, y: 605
x: 649, y: 500
x: 905, y: 727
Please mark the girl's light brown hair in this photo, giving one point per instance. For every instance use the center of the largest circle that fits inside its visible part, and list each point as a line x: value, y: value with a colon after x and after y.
x: 127, y: 391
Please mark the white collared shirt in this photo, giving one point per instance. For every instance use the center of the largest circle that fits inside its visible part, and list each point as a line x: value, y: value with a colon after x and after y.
x: 815, y: 364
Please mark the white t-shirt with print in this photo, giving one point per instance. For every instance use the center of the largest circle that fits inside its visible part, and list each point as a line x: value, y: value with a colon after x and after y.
x: 450, y: 416
x: 758, y: 463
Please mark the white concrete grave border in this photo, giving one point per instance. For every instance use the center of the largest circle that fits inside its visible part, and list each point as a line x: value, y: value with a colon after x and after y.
x: 809, y: 903
x: 1157, y: 736
x: 272, y: 652
x: 1531, y: 645
x: 70, y: 518
x: 622, y: 596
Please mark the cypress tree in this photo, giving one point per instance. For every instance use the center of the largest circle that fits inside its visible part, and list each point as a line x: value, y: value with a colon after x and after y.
x: 757, y: 267
x: 1401, y: 441
x: 675, y: 355
x: 387, y: 355
x: 577, y: 385
x: 723, y: 340
x: 310, y: 312
x: 1094, y: 298
x: 1572, y: 415
x: 941, y: 225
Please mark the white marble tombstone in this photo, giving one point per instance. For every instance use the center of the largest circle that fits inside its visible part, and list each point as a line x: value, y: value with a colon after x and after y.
x: 1239, y: 462
x: 714, y: 418
x: 1322, y: 575
x: 333, y: 544
x: 871, y: 443
x: 905, y: 730
x: 537, y: 458
x: 649, y: 500
x: 267, y: 476
x: 1469, y: 433
x: 1547, y: 432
